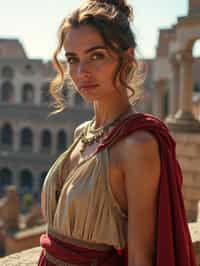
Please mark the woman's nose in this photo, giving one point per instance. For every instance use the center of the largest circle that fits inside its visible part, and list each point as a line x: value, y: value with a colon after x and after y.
x: 83, y: 71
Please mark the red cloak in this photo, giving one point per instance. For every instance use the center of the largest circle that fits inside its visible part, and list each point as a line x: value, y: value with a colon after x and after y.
x: 173, y: 245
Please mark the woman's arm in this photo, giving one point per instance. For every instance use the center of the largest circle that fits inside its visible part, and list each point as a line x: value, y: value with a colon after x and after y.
x: 141, y: 168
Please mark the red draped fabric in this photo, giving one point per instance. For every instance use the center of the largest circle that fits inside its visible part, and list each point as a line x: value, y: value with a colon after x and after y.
x: 174, y: 245
x: 77, y: 255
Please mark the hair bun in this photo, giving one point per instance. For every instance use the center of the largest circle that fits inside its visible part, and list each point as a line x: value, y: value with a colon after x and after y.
x: 121, y: 5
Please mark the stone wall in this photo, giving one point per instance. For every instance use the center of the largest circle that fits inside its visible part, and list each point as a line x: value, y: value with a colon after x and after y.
x: 25, y: 239
x: 188, y: 155
x: 26, y: 258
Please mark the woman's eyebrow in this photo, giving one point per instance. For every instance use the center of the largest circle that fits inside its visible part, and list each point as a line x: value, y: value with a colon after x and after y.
x: 88, y: 50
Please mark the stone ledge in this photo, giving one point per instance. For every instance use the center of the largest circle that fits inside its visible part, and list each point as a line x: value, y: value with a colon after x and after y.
x: 25, y: 258
x: 30, y: 257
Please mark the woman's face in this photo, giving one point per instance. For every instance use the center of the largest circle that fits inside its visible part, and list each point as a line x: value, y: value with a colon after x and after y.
x: 91, y: 64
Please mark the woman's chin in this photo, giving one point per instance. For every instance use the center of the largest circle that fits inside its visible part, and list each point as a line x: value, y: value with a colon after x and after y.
x: 90, y: 98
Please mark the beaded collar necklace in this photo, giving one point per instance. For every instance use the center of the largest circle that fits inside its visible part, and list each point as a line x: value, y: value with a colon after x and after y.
x: 97, y: 133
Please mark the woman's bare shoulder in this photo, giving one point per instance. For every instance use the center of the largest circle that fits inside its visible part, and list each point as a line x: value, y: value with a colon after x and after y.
x: 139, y: 146
x: 138, y: 139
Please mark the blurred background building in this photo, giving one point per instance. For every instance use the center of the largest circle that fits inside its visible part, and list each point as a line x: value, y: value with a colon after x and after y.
x: 29, y: 140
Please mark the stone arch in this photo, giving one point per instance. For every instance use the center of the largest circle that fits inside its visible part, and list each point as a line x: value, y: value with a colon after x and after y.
x: 26, y: 181
x: 7, y: 92
x: 26, y: 139
x: 6, y: 178
x: 7, y: 135
x: 28, y: 92
x: 181, y: 50
x: 61, y: 140
x: 46, y: 140
x: 187, y: 32
x: 196, y: 49
x: 7, y: 73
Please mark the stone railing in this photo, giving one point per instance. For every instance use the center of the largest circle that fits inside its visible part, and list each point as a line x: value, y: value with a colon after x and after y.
x: 27, y: 257
x: 30, y: 257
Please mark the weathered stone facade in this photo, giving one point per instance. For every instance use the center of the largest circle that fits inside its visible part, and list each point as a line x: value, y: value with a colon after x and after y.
x: 30, y: 140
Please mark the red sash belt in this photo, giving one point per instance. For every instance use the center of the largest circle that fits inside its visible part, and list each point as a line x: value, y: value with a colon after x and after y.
x: 59, y: 253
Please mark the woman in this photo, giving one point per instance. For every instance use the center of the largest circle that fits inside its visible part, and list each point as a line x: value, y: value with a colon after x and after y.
x: 114, y: 196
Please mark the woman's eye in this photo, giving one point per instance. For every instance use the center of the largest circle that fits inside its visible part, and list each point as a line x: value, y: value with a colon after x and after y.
x: 71, y: 60
x: 97, y: 56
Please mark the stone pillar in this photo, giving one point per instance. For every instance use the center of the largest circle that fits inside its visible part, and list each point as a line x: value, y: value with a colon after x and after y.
x: 174, y: 89
x: 158, y: 98
x: 186, y: 88
x: 37, y: 91
x: 184, y: 119
x: 18, y: 90
x: 16, y: 140
x: 36, y: 140
x: 35, y: 182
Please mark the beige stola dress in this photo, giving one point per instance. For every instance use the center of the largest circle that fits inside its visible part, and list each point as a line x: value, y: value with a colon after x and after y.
x: 81, y: 206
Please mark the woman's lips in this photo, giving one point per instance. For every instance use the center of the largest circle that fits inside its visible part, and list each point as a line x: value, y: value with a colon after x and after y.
x: 88, y: 87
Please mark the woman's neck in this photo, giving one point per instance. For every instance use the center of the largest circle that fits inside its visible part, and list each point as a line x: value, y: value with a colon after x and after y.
x: 106, y: 113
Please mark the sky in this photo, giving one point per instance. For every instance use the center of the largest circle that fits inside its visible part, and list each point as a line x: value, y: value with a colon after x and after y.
x: 35, y: 23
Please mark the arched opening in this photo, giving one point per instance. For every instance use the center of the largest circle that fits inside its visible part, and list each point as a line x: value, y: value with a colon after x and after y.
x: 61, y: 141
x: 196, y: 49
x: 27, y: 93
x: 7, y: 92
x: 26, y: 181
x: 26, y: 139
x: 5, y: 179
x: 7, y: 73
x: 28, y: 69
x: 7, y: 136
x: 45, y: 94
x: 46, y: 141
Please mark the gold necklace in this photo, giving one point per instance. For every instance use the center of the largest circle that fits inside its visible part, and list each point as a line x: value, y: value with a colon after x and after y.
x: 98, y: 132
